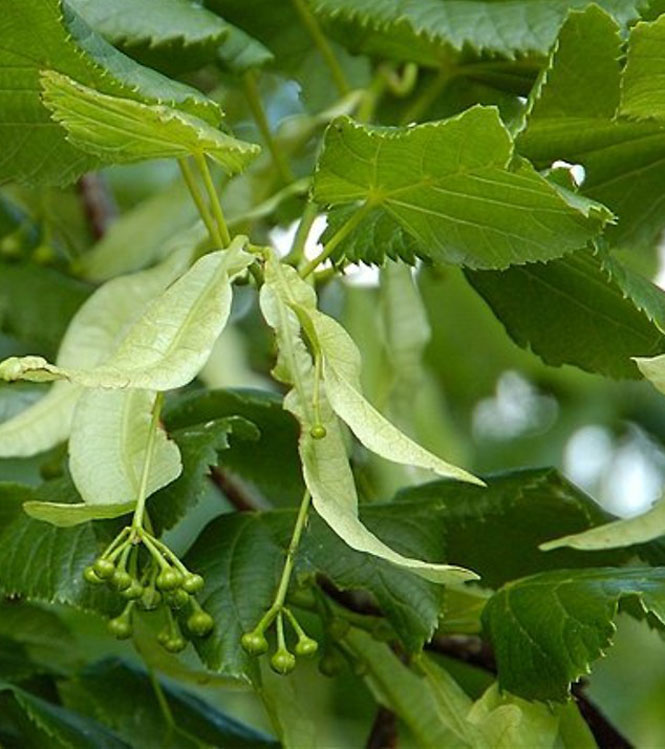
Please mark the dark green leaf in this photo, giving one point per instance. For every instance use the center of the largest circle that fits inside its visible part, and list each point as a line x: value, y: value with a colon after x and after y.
x: 547, y: 629
x: 36, y: 304
x: 199, y: 447
x: 111, y: 691
x: 271, y: 463
x: 584, y: 309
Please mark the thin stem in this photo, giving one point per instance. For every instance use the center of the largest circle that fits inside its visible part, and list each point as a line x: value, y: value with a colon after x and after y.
x: 201, y: 207
x: 137, y: 522
x: 338, y: 237
x: 372, y: 97
x: 280, y: 597
x: 323, y: 45
x: 428, y: 96
x: 258, y: 112
x: 161, y: 699
x: 214, y: 199
x: 297, y: 251
x: 318, y: 361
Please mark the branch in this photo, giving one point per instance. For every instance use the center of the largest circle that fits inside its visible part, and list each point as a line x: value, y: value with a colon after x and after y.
x: 231, y: 490
x: 384, y: 733
x: 98, y: 203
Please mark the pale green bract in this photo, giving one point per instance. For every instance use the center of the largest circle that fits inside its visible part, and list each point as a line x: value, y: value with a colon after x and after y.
x: 455, y: 186
x: 167, y: 346
x: 68, y: 515
x: 325, y: 464
x: 107, y: 448
x: 120, y: 130
x: 93, y: 332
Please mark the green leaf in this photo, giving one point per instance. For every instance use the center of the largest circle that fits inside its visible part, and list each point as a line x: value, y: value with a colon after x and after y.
x: 121, y: 131
x: 454, y: 186
x: 42, y: 35
x: 325, y: 464
x: 91, y: 335
x: 641, y: 96
x: 172, y: 36
x: 378, y: 237
x: 573, y: 118
x: 108, y: 447
x: 68, y: 515
x: 547, y: 629
x: 496, y: 531
x: 167, y: 346
x: 57, y: 556
x: 272, y: 464
x: 64, y: 728
x: 199, y: 445
x: 240, y: 52
x: 54, y: 299
x: 584, y: 309
x: 423, y: 30
x: 198, y: 723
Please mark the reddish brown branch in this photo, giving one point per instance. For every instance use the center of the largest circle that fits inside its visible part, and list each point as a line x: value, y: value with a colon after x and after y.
x: 98, y: 203
x: 231, y: 490
x: 384, y: 733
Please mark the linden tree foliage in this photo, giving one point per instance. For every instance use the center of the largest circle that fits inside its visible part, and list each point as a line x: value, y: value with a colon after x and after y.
x: 273, y: 471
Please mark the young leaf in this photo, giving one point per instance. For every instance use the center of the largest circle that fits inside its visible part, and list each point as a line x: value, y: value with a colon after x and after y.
x: 641, y: 96
x: 547, y: 629
x: 92, y: 334
x: 167, y: 346
x: 584, y: 309
x: 107, y: 447
x: 121, y: 130
x: 572, y: 117
x: 325, y: 464
x: 453, y: 185
x: 44, y: 35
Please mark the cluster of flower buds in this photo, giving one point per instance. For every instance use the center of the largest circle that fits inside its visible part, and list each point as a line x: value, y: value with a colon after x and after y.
x: 283, y: 661
x: 150, y: 576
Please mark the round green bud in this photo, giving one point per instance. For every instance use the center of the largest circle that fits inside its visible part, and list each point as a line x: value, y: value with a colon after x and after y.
x: 200, y: 623
x: 193, y: 583
x: 120, y: 627
x: 283, y: 662
x: 134, y: 591
x: 254, y: 643
x: 150, y: 599
x: 163, y: 637
x: 318, y: 432
x: 121, y: 580
x: 175, y: 644
x: 177, y: 598
x: 338, y: 628
x: 331, y: 664
x: 306, y: 646
x: 90, y: 576
x: 169, y: 579
x: 104, y: 568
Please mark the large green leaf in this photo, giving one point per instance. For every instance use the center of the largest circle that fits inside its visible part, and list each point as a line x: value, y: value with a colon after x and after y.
x: 167, y: 346
x: 547, y: 629
x: 271, y: 464
x: 424, y: 30
x: 584, y: 309
x: 44, y: 35
x: 496, y: 531
x: 641, y: 95
x: 63, y: 728
x: 326, y: 468
x: 199, y: 445
x: 121, y: 130
x: 90, y: 337
x: 53, y: 300
x: 169, y: 35
x: 454, y: 186
x: 198, y: 723
x: 572, y: 118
